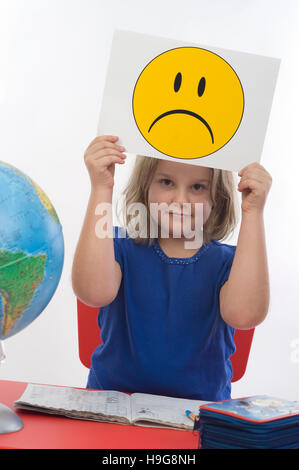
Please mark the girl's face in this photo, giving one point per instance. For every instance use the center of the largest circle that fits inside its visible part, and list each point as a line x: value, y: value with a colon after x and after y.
x: 177, y: 183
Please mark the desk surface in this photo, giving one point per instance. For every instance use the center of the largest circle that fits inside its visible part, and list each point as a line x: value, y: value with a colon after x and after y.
x: 58, y: 432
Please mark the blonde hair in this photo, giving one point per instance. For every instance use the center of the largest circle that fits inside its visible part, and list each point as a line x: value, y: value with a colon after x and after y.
x: 224, y: 214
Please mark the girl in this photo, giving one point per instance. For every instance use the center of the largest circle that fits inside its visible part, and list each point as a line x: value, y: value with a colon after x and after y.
x: 168, y: 314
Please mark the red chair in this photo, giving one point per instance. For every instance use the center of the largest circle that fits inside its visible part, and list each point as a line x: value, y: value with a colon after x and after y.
x: 89, y: 339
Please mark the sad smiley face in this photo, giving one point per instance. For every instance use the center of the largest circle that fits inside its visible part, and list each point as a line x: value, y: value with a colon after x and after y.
x: 188, y: 102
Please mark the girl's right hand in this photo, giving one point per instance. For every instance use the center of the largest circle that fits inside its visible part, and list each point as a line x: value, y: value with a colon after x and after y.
x: 100, y: 158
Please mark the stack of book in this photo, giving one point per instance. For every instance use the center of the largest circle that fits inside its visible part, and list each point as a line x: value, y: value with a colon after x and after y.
x: 257, y: 422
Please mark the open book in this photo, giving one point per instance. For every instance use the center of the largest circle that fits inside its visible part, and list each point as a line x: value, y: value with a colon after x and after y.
x: 111, y: 406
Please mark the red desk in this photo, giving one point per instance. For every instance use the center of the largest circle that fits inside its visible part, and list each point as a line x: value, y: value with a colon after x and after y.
x: 57, y: 432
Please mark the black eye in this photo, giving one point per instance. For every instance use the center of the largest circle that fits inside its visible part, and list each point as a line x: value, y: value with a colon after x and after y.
x: 177, y: 81
x: 201, y: 86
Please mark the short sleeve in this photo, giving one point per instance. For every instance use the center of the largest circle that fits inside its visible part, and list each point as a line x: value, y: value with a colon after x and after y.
x: 119, y: 235
x: 226, y: 267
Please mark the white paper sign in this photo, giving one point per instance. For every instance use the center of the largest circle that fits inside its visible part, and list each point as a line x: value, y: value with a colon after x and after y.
x: 187, y: 102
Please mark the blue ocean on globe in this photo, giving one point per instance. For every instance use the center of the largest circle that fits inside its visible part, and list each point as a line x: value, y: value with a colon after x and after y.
x: 31, y: 250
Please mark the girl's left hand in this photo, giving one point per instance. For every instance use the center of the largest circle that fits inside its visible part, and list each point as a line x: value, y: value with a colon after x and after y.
x: 254, y: 184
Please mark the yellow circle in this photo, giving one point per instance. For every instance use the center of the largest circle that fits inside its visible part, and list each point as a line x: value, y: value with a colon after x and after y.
x: 188, y: 102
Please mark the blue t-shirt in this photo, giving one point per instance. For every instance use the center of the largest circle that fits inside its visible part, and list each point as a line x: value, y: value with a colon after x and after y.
x: 163, y: 333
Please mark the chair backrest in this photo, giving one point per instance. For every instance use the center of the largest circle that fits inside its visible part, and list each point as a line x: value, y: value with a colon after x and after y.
x: 89, y: 338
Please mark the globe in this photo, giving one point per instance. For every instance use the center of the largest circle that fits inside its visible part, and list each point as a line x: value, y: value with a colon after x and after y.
x: 31, y: 250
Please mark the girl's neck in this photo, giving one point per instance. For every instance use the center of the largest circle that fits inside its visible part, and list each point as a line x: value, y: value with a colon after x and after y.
x: 174, y: 247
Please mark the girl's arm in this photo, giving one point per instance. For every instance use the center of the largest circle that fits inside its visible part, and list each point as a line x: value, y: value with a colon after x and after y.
x: 244, y: 298
x: 96, y: 275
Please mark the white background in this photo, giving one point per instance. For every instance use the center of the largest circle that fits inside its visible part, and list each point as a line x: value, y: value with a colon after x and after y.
x: 53, y: 59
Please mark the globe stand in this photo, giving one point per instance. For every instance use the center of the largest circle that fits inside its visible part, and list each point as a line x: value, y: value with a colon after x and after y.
x: 9, y: 420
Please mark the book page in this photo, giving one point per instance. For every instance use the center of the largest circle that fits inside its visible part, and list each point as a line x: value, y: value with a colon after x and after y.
x: 85, y: 404
x: 163, y: 411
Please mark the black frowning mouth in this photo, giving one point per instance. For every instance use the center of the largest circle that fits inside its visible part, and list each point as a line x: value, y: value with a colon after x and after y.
x: 184, y: 111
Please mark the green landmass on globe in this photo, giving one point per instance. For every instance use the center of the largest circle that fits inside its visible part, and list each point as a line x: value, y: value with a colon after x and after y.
x: 20, y: 275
